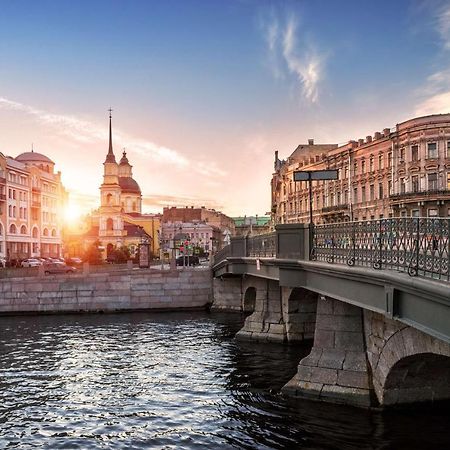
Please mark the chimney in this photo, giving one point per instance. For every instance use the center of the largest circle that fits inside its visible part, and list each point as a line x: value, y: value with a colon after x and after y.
x: 386, y: 132
x: 377, y: 135
x: 360, y: 142
x: 368, y: 138
x: 310, y: 141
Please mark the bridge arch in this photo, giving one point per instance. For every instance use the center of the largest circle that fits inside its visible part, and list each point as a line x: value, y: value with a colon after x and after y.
x: 412, y: 367
x: 249, y: 300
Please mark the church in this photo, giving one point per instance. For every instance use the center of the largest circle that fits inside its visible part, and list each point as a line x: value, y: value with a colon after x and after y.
x: 119, y: 221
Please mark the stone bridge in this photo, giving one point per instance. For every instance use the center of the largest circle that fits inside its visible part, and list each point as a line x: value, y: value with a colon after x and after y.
x: 379, y: 336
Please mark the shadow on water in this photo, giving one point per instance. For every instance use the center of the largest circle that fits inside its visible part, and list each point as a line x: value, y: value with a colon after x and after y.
x: 176, y: 380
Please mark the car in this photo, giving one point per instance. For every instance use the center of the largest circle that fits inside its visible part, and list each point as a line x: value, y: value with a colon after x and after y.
x: 188, y: 261
x: 74, y: 261
x: 31, y: 262
x: 58, y: 267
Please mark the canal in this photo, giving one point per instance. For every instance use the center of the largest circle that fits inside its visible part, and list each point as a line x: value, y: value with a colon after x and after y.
x: 176, y: 380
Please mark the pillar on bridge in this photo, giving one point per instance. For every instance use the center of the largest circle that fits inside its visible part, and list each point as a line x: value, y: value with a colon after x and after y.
x: 336, y: 369
x: 227, y: 293
x: 266, y: 322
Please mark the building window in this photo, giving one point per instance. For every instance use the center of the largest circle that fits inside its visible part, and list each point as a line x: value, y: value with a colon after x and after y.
x: 380, y: 162
x: 380, y: 191
x: 355, y: 195
x: 371, y: 164
x: 415, y: 153
x: 355, y: 169
x: 402, y: 155
x: 448, y: 149
x: 390, y: 187
x: 402, y: 186
x: 432, y: 212
x: 403, y: 213
x: 372, y: 192
x: 363, y: 166
x: 432, y: 150
x: 389, y: 159
x: 448, y: 181
x: 415, y: 213
x: 363, y: 194
x: 432, y: 182
x: 415, y: 183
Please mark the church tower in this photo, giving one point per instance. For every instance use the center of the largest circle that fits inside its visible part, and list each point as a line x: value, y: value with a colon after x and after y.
x: 110, y: 189
x: 111, y: 222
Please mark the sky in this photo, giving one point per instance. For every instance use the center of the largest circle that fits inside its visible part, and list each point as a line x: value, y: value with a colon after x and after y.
x: 204, y: 91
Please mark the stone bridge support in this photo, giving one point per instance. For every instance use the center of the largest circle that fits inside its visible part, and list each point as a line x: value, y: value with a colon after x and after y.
x: 407, y: 365
x: 227, y: 293
x: 337, y: 368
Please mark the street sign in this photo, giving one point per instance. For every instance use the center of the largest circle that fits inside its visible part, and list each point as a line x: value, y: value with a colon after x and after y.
x: 306, y: 175
x: 309, y: 176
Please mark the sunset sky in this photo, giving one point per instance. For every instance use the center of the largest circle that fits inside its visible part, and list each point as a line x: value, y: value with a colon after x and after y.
x: 203, y: 92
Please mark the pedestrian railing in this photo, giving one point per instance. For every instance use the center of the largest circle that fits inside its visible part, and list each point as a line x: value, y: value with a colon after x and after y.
x: 418, y: 246
x: 262, y: 246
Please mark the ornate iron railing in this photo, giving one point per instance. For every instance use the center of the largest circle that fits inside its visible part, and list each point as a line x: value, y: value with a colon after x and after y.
x: 418, y: 246
x: 262, y: 245
x: 222, y: 254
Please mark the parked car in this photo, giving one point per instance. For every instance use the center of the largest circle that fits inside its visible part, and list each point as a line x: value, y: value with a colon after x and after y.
x: 188, y: 261
x: 74, y: 261
x: 58, y: 267
x: 31, y: 262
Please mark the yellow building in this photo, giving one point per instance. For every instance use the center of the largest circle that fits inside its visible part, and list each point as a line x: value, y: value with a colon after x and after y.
x: 119, y: 221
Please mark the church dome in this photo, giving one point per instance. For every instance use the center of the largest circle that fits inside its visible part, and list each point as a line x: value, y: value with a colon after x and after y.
x: 33, y: 157
x: 127, y: 184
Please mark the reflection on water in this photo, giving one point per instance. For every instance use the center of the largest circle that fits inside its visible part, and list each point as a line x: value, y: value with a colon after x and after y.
x: 175, y: 380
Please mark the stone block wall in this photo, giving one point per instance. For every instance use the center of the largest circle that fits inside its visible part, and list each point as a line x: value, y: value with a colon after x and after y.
x: 126, y: 291
x: 227, y: 294
x: 336, y: 369
x: 407, y: 364
x: 266, y: 322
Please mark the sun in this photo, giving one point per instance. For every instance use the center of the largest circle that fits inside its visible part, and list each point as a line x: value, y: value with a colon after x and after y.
x: 72, y: 213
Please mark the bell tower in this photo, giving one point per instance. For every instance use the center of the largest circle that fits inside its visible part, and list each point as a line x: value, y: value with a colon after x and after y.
x: 110, y: 189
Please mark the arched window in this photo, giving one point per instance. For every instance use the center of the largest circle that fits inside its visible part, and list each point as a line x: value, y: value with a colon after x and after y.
x: 35, y: 232
x: 109, y: 224
x: 10, y: 211
x: 23, y: 229
x: 13, y: 229
x: 45, y: 232
x: 109, y: 199
x: 53, y: 233
x: 21, y: 213
x: 14, y: 212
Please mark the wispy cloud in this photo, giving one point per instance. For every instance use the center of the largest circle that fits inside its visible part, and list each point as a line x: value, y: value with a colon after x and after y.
x: 435, y: 93
x: 84, y: 131
x: 291, y: 53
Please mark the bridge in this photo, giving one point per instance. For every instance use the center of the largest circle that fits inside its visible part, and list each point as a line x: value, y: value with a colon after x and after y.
x: 374, y: 296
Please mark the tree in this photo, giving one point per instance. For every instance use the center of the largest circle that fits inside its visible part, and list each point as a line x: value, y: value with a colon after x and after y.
x: 93, y: 254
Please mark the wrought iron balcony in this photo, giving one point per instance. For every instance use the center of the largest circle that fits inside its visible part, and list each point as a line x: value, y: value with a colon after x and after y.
x: 335, y: 209
x: 420, y: 195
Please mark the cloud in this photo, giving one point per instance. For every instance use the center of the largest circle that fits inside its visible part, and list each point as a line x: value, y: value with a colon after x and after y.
x: 443, y: 25
x: 303, y: 62
x: 437, y: 104
x: 85, y: 132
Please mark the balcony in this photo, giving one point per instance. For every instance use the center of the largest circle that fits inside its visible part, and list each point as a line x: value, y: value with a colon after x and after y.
x: 417, y: 196
x: 335, y: 209
x: 2, y: 180
x: 2, y: 197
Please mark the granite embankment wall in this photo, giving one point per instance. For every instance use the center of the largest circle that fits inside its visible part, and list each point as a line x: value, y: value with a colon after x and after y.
x: 130, y: 290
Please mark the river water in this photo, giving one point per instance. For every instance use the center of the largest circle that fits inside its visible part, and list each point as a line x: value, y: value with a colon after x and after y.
x: 175, y: 380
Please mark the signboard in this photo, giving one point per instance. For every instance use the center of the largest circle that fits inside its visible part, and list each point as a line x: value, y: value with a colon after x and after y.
x: 304, y: 175
x: 144, y: 256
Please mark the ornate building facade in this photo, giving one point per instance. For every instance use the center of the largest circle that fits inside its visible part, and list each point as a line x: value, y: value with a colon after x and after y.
x: 400, y: 172
x: 32, y: 199
x: 119, y: 222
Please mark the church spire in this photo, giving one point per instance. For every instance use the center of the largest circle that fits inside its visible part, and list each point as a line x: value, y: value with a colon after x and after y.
x: 110, y: 156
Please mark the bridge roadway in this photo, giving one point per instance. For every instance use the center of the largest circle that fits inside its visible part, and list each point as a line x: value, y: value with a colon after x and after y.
x: 402, y: 351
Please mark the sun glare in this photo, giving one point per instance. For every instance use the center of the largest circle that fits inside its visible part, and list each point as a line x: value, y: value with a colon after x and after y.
x: 72, y: 213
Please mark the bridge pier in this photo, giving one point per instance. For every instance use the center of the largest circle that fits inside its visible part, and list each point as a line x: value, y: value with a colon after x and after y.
x: 336, y: 369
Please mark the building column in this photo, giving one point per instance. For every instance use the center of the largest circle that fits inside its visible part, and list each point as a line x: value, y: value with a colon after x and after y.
x: 337, y: 368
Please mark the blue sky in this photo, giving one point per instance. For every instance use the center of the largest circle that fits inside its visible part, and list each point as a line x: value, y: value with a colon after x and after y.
x: 203, y: 92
